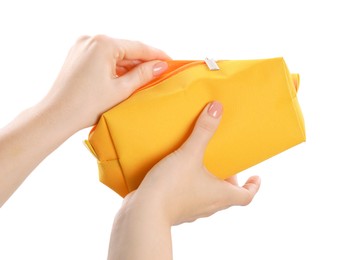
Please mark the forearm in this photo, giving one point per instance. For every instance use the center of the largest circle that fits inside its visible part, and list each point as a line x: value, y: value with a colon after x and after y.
x: 85, y: 88
x: 140, y: 232
x: 27, y: 140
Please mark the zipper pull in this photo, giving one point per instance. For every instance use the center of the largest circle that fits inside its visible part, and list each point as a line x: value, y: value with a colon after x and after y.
x: 211, y: 64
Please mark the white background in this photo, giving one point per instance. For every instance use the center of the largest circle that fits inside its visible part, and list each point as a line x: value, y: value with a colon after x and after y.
x: 63, y: 212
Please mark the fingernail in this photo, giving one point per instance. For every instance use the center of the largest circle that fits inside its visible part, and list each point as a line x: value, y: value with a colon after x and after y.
x: 215, y: 110
x: 159, y: 68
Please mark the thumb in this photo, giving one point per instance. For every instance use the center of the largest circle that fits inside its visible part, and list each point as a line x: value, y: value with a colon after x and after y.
x: 205, y: 127
x: 142, y: 74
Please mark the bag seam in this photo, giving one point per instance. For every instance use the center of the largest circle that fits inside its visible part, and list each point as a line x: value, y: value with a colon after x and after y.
x: 115, y: 150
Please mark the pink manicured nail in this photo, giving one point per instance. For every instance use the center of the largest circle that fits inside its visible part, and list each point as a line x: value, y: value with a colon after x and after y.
x: 215, y: 110
x: 159, y: 68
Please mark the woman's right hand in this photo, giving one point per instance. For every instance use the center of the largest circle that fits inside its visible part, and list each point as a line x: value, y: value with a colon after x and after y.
x: 178, y: 189
x: 181, y: 187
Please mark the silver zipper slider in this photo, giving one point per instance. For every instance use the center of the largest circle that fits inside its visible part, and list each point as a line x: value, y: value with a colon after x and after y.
x: 211, y: 64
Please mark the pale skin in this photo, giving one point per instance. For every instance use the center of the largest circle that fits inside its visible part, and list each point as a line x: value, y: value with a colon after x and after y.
x: 100, y: 72
x: 85, y: 87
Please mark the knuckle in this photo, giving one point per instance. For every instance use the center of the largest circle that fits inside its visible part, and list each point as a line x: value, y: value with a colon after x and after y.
x: 247, y: 199
x: 99, y: 39
x: 82, y: 38
x: 142, y: 73
x: 138, y: 42
x: 143, y: 48
x: 206, y: 126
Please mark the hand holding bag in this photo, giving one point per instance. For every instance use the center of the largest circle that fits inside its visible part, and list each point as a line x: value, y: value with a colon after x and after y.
x: 261, y: 118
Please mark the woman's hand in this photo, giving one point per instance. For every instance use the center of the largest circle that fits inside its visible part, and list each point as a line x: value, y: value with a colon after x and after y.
x: 178, y: 189
x: 100, y: 72
x: 183, y: 188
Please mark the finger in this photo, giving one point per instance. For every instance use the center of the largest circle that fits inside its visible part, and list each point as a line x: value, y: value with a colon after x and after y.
x: 120, y: 71
x: 130, y: 50
x: 129, y: 64
x: 252, y: 185
x: 125, y: 66
x: 140, y: 75
x: 232, y: 180
x: 204, y: 129
x: 244, y: 195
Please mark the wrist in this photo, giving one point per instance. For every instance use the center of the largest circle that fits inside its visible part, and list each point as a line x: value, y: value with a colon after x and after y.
x: 149, y: 208
x: 140, y: 231
x: 59, y: 116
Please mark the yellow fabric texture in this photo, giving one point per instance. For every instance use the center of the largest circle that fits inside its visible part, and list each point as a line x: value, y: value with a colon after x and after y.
x: 261, y: 118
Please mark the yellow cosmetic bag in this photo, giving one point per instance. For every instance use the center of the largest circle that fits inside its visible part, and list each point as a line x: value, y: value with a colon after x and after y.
x: 261, y: 118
